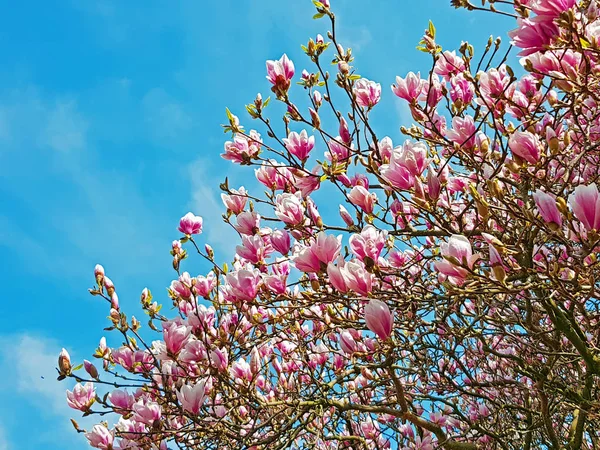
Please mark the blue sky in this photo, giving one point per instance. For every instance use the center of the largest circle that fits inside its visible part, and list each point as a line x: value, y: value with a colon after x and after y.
x: 110, y: 118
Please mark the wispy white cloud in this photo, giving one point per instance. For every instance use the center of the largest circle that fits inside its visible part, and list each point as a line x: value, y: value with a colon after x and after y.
x: 65, y: 128
x: 3, y: 439
x: 29, y: 364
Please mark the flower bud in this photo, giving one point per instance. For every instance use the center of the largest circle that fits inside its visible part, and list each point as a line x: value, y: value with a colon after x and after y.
x: 90, y: 369
x: 64, y: 363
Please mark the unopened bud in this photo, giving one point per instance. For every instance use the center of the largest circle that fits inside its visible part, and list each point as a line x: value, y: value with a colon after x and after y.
x: 209, y: 251
x: 110, y: 287
x: 90, y: 369
x: 99, y: 274
x: 343, y: 67
x: 64, y: 363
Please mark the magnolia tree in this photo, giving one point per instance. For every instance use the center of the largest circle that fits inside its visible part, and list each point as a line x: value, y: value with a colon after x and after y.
x: 453, y: 303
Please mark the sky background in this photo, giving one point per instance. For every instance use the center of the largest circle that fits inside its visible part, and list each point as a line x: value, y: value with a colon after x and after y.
x: 110, y: 116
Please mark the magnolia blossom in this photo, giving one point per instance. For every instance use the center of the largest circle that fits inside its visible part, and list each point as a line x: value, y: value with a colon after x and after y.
x: 100, y: 437
x: 458, y: 258
x: 299, y: 145
x: 546, y: 205
x: 585, y: 203
x: 190, y: 224
x: 236, y: 201
x: 289, y: 209
x: 280, y: 72
x: 379, y: 318
x: 409, y: 88
x: 362, y: 198
x: 192, y: 397
x: 367, y: 93
x: 525, y: 145
x: 82, y: 396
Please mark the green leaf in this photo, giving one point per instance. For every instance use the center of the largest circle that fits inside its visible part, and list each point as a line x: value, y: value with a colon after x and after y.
x: 431, y: 29
x: 266, y: 102
x: 318, y: 15
x: 77, y: 367
x: 584, y: 42
x: 354, y: 76
x: 229, y: 115
x: 318, y: 4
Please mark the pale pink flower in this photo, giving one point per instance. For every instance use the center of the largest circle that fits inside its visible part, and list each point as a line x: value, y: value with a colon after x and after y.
x: 585, y: 203
x: 192, y: 397
x: 449, y: 64
x: 243, y: 284
x: 242, y: 149
x: 236, y: 201
x: 367, y: 93
x: 248, y: 222
x: 463, y: 131
x: 379, y: 318
x: 409, y: 88
x: 546, y: 205
x: 289, y: 209
x: 175, y: 336
x: 100, y: 437
x: 458, y: 256
x: 146, y: 411
x: 525, y: 145
x: 362, y: 198
x: 370, y: 242
x: 280, y: 240
x: 82, y: 397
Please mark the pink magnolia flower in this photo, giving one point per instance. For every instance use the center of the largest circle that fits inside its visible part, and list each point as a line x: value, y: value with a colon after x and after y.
x: 367, y: 92
x: 240, y: 371
x: 175, y: 336
x: 242, y: 149
x: 548, y: 10
x: 456, y: 252
x: 248, y: 222
x: 347, y: 342
x: 346, y: 217
x: 202, y: 286
x: 220, y: 359
x: 448, y: 64
x: 100, y: 437
x: 280, y: 72
x: 190, y: 224
x: 338, y: 151
x: 299, y: 145
x: 192, y: 397
x: 379, y: 318
x: 357, y: 278
x: 525, y: 145
x: 273, y: 175
x: 369, y: 242
x: 336, y: 276
x: 493, y: 83
x: 82, y: 397
x: 409, y: 88
x: 236, y: 201
x: 546, y: 205
x: 146, y: 411
x: 121, y: 400
x: 254, y: 249
x: 289, y: 209
x: 414, y: 157
x: 345, y: 131
x: 242, y: 285
x: 280, y: 240
x: 463, y: 131
x: 533, y: 35
x: 362, y: 198
x: 585, y: 203
x: 396, y: 173
x: 323, y: 250
x: 461, y: 89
